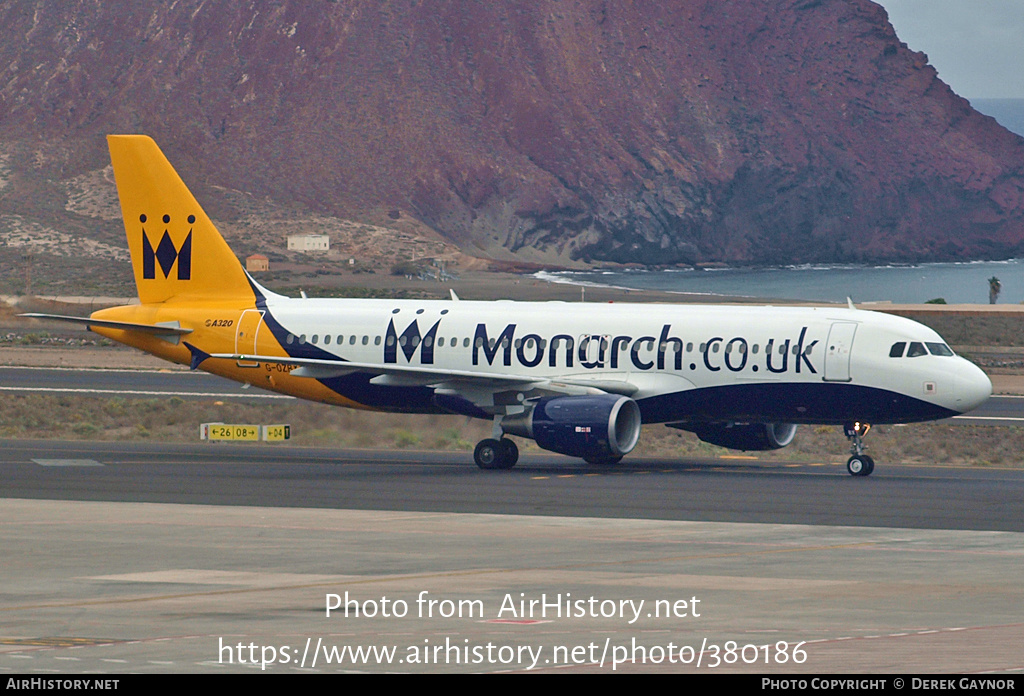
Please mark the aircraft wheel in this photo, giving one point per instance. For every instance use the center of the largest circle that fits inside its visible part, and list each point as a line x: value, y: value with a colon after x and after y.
x: 509, y: 454
x: 860, y: 465
x: 489, y: 454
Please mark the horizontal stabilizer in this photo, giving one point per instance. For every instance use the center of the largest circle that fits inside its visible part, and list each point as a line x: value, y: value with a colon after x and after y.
x: 155, y: 329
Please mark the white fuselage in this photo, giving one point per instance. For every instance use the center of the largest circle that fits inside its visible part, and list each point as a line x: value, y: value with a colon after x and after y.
x: 678, y: 362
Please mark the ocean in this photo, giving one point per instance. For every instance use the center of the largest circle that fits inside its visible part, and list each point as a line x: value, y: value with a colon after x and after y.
x: 957, y: 283
x: 1008, y: 112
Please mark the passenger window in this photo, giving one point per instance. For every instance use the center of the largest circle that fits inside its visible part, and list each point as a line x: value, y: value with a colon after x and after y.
x: 897, y: 349
x: 916, y: 350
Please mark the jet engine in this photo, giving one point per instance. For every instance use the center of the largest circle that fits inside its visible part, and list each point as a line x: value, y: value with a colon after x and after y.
x: 745, y: 436
x: 598, y: 428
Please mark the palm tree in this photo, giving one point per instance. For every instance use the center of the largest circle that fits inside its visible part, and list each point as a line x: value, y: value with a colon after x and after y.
x: 994, y: 288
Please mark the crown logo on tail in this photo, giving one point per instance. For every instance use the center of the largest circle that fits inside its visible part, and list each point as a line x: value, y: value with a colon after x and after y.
x: 166, y: 253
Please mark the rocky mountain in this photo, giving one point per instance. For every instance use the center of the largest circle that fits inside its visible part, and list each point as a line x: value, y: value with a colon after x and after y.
x: 553, y: 131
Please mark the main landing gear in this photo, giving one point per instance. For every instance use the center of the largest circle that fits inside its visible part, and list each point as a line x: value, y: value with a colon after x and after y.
x: 859, y: 464
x: 496, y: 454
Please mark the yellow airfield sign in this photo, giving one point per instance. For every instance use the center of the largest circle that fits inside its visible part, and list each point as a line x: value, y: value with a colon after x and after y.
x: 227, y: 432
x: 276, y: 433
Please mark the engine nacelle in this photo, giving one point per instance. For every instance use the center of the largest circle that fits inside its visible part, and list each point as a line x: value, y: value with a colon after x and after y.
x: 746, y: 436
x: 602, y: 426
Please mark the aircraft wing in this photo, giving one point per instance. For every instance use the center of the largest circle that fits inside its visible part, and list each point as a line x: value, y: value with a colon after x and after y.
x: 416, y: 375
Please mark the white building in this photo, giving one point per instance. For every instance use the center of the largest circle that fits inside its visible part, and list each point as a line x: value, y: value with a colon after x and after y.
x: 309, y: 242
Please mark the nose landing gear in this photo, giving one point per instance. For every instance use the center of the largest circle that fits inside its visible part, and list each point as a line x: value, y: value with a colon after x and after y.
x: 859, y: 464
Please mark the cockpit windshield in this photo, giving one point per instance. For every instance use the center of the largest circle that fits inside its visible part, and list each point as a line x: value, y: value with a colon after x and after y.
x: 918, y: 348
x: 939, y: 349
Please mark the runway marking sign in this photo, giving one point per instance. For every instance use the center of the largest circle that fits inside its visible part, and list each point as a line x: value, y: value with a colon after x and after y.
x: 233, y: 433
x: 67, y: 462
x: 215, y: 432
x: 58, y: 642
x: 277, y: 433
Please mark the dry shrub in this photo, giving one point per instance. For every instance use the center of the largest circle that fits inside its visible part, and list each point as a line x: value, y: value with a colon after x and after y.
x: 318, y: 425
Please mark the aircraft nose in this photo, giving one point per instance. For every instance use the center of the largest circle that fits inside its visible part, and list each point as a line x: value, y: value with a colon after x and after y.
x: 973, y: 387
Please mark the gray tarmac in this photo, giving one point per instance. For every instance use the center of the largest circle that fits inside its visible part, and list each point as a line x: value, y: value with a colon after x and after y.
x: 95, y: 581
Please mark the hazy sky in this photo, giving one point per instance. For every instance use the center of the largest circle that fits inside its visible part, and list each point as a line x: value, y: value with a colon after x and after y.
x: 976, y: 45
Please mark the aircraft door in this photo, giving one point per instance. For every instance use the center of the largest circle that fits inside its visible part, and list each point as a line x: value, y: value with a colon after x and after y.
x: 246, y: 335
x: 837, y: 351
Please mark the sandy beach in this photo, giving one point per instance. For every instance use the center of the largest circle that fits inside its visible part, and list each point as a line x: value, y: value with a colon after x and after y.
x: 497, y: 285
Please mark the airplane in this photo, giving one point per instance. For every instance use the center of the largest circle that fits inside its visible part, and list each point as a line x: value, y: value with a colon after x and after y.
x: 578, y: 379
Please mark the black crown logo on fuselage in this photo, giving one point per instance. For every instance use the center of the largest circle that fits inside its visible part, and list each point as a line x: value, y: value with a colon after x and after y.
x: 166, y: 253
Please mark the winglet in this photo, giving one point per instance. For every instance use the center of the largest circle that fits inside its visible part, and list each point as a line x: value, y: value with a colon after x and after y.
x: 198, y: 356
x: 455, y: 298
x: 849, y: 303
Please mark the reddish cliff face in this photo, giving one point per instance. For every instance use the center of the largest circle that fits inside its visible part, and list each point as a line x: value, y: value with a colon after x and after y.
x: 763, y: 131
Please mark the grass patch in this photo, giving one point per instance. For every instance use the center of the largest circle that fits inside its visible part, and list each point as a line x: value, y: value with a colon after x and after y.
x: 173, y: 419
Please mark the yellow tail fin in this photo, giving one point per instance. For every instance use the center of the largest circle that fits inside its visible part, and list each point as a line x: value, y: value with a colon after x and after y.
x: 176, y: 250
